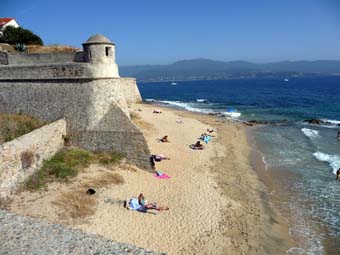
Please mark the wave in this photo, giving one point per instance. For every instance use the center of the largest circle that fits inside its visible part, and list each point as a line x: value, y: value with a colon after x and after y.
x: 187, y: 106
x: 310, y: 132
x: 333, y: 160
x: 334, y: 122
x: 150, y: 100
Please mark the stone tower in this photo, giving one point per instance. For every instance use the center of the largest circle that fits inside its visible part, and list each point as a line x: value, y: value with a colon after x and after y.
x: 100, y: 51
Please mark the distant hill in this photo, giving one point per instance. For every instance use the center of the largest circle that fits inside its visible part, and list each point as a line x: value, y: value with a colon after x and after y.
x: 200, y: 69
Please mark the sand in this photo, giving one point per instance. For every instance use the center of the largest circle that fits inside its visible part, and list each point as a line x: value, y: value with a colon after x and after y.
x: 216, y: 200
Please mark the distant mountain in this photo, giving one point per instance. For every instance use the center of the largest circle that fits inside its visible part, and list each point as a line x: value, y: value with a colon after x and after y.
x: 200, y: 69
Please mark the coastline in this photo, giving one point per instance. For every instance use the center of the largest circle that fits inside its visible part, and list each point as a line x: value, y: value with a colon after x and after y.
x: 218, y: 204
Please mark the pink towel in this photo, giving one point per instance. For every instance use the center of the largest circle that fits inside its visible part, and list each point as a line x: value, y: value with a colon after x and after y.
x: 163, y: 176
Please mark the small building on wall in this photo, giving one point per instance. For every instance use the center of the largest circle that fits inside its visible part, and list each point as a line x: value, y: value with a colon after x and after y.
x: 5, y: 22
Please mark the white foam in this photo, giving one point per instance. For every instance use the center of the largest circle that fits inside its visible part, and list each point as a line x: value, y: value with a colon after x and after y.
x: 335, y: 122
x: 333, y: 160
x: 187, y: 106
x: 149, y: 100
x: 310, y: 132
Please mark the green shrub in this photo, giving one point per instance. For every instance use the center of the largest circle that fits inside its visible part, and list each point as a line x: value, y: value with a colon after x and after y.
x: 107, y: 158
x: 66, y: 164
x: 18, y: 35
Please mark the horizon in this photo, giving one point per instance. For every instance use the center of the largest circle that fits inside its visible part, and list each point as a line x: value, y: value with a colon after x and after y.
x: 237, y: 60
x: 153, y: 33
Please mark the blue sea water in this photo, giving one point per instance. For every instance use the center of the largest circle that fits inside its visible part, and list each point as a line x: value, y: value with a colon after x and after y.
x: 309, y: 153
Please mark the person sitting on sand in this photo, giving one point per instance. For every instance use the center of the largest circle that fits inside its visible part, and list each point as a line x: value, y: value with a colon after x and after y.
x: 165, y: 139
x: 140, y: 204
x: 337, y: 174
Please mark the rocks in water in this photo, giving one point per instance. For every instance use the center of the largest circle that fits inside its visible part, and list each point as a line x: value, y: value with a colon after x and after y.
x: 316, y: 121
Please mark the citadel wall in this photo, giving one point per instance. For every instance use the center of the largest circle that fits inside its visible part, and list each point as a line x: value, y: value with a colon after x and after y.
x: 82, y: 87
x: 95, y: 110
x: 21, y: 157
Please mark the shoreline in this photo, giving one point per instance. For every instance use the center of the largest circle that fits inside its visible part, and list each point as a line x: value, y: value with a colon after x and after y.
x: 276, y: 238
x: 217, y: 201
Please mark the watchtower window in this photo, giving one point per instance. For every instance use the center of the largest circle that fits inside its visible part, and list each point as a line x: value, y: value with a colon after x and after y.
x: 107, y: 51
x: 90, y: 54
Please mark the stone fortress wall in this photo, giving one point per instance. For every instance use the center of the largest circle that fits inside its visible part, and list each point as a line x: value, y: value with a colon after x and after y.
x: 85, y: 89
x: 21, y: 157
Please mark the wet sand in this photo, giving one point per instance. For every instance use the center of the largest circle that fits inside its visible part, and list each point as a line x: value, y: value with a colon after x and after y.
x: 218, y: 205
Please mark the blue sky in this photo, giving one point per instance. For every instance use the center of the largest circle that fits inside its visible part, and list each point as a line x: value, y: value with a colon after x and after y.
x: 161, y: 32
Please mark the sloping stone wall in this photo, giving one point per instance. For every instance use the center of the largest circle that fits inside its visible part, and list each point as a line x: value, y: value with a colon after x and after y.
x: 21, y: 157
x: 130, y: 91
x: 95, y: 110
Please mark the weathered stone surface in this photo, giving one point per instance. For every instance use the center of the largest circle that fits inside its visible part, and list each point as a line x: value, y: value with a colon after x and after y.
x: 95, y: 110
x: 23, y: 235
x: 21, y: 157
x: 85, y: 89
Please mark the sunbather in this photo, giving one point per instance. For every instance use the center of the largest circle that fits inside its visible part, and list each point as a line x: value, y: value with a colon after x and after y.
x: 157, y: 111
x: 197, y: 146
x: 159, y: 157
x: 141, y: 205
x: 165, y: 139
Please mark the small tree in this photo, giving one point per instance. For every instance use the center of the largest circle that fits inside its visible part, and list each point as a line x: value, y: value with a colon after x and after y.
x: 18, y: 35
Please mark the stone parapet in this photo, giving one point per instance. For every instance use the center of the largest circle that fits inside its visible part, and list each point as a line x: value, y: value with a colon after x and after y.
x: 20, y: 158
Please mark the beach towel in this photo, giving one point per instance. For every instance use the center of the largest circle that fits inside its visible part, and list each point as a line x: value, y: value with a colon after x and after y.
x: 161, y: 175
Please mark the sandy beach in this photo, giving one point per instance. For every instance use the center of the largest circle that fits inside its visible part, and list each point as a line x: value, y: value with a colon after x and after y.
x: 217, y: 202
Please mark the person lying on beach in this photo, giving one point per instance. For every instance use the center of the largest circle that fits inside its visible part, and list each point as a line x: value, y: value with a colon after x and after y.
x: 210, y: 130
x: 140, y: 204
x: 164, y: 139
x: 159, y: 157
x: 157, y: 111
x: 206, y: 138
x: 197, y: 146
x: 337, y: 174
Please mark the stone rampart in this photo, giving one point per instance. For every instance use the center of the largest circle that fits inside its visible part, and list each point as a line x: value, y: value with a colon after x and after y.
x: 21, y: 157
x: 3, y: 58
x: 95, y: 110
x: 40, y: 58
x: 130, y: 91
x: 56, y: 71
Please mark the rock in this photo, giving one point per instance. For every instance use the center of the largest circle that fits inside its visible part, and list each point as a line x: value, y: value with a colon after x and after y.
x: 315, y: 121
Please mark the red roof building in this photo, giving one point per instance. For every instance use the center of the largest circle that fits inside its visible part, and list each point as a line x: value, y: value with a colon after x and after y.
x: 4, y: 22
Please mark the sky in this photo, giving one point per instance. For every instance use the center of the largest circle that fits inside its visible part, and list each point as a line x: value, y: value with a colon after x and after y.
x: 162, y: 32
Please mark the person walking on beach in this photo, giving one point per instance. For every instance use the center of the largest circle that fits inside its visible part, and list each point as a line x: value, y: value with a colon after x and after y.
x: 337, y: 174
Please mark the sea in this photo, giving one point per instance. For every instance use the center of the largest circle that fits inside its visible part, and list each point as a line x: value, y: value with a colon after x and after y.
x: 301, y: 158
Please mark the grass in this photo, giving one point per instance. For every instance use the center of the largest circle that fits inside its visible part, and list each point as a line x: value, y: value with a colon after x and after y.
x: 66, y: 164
x: 76, y: 204
x: 15, y: 125
x: 104, y: 179
x: 50, y: 48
